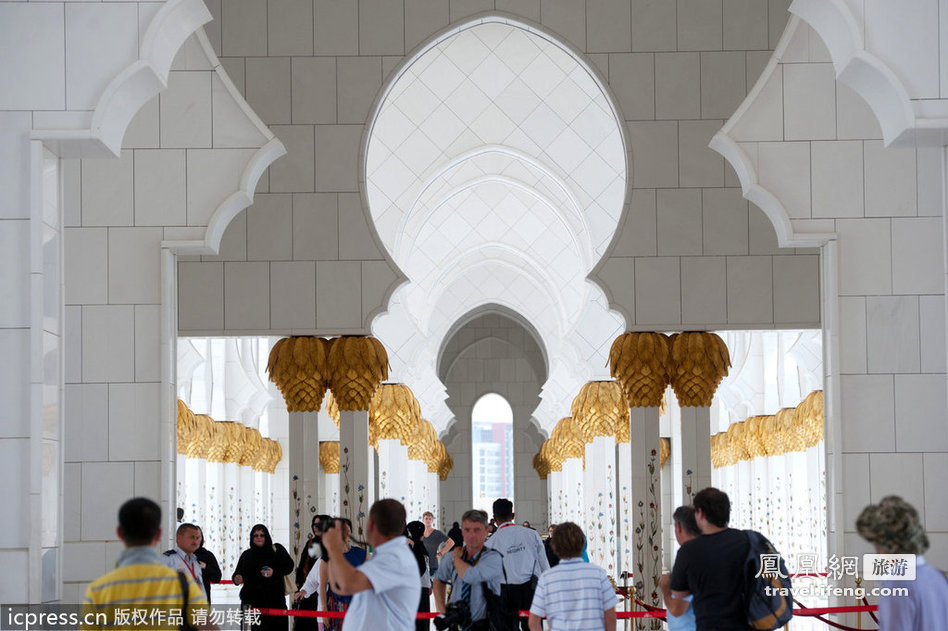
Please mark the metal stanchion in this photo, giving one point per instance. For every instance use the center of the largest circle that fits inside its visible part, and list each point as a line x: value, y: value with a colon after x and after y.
x: 858, y: 602
x: 632, y: 600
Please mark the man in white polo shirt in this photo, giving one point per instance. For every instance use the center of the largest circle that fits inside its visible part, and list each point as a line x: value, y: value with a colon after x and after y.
x: 574, y: 595
x: 386, y: 588
x: 524, y: 561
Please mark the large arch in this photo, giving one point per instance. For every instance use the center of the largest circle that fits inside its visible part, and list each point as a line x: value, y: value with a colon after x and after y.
x: 493, y: 352
x: 487, y: 187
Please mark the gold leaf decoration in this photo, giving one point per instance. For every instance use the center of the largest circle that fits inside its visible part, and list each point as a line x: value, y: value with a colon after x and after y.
x: 716, y: 450
x: 640, y: 362
x: 699, y: 361
x: 329, y: 455
x: 446, y: 465
x: 202, y: 437
x: 737, y: 442
x: 754, y: 436
x: 228, y: 442
x: 552, y: 455
x: 541, y: 465
x: 395, y: 413
x: 769, y: 437
x: 422, y: 442
x: 567, y: 439
x: 357, y: 365
x: 789, y: 430
x: 252, y: 443
x: 298, y: 367
x: 269, y: 456
x: 332, y: 409
x: 809, y: 417
x: 599, y: 409
x: 437, y: 457
x: 664, y: 450
x: 791, y: 436
x: 186, y: 427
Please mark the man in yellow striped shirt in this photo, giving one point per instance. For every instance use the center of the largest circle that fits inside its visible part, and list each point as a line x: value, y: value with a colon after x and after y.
x: 142, y: 592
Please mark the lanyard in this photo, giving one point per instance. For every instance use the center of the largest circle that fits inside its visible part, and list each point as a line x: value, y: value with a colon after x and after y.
x: 190, y: 567
x: 477, y: 557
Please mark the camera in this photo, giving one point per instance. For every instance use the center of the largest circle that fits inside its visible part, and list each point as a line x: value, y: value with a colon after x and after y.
x: 456, y: 617
x: 322, y: 523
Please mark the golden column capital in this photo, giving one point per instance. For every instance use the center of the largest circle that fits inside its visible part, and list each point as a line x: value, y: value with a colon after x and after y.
x: 639, y: 361
x: 298, y: 367
x: 395, y: 413
x: 567, y: 440
x: 699, y: 361
x: 186, y: 427
x: 356, y: 365
x: 600, y: 409
x: 329, y: 455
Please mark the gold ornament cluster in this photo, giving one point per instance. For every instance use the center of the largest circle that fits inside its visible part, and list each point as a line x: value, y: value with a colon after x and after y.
x: 298, y: 367
x: 395, y: 414
x: 200, y: 436
x: 640, y: 362
x: 357, y: 365
x: 789, y: 430
x: 600, y: 409
x: 329, y: 455
x: 304, y: 367
x: 646, y: 363
x: 346, y: 373
x: 699, y: 361
x: 332, y: 409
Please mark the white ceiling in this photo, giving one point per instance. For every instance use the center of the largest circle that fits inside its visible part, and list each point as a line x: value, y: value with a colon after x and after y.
x: 496, y: 174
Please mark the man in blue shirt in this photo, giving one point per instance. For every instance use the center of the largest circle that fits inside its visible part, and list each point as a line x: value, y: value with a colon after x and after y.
x: 473, y: 568
x: 681, y: 615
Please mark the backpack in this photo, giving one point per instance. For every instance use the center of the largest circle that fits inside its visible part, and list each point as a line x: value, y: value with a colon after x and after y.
x: 766, y: 611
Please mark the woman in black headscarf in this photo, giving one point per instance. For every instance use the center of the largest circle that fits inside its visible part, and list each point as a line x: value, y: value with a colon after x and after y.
x: 210, y: 569
x: 309, y: 557
x: 415, y: 531
x: 259, y: 572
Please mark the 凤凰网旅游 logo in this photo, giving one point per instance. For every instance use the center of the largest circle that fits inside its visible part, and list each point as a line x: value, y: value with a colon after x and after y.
x: 888, y: 567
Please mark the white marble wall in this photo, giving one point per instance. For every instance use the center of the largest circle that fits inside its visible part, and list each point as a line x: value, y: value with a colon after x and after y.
x: 886, y: 206
x: 691, y: 251
x: 817, y: 148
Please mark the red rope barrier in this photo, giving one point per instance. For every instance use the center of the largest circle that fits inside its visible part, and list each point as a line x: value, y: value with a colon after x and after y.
x: 653, y: 612
x: 801, y: 612
x: 871, y: 613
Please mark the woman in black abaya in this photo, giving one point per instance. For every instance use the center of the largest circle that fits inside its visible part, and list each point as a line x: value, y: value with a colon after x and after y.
x: 259, y: 572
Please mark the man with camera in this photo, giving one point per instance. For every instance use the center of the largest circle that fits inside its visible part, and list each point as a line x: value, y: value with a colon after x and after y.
x: 473, y: 571
x: 386, y: 588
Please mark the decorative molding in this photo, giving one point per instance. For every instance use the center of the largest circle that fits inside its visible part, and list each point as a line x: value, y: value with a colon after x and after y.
x: 904, y: 121
x: 134, y: 86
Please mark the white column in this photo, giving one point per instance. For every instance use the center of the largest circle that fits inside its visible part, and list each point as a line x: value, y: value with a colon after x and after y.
x: 303, y: 473
x: 432, y: 501
x: 626, y: 530
x: 600, y: 506
x: 647, y: 523
x: 355, y: 468
x: 554, y: 483
x: 417, y: 489
x: 393, y: 474
x: 695, y: 450
x: 573, y: 491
